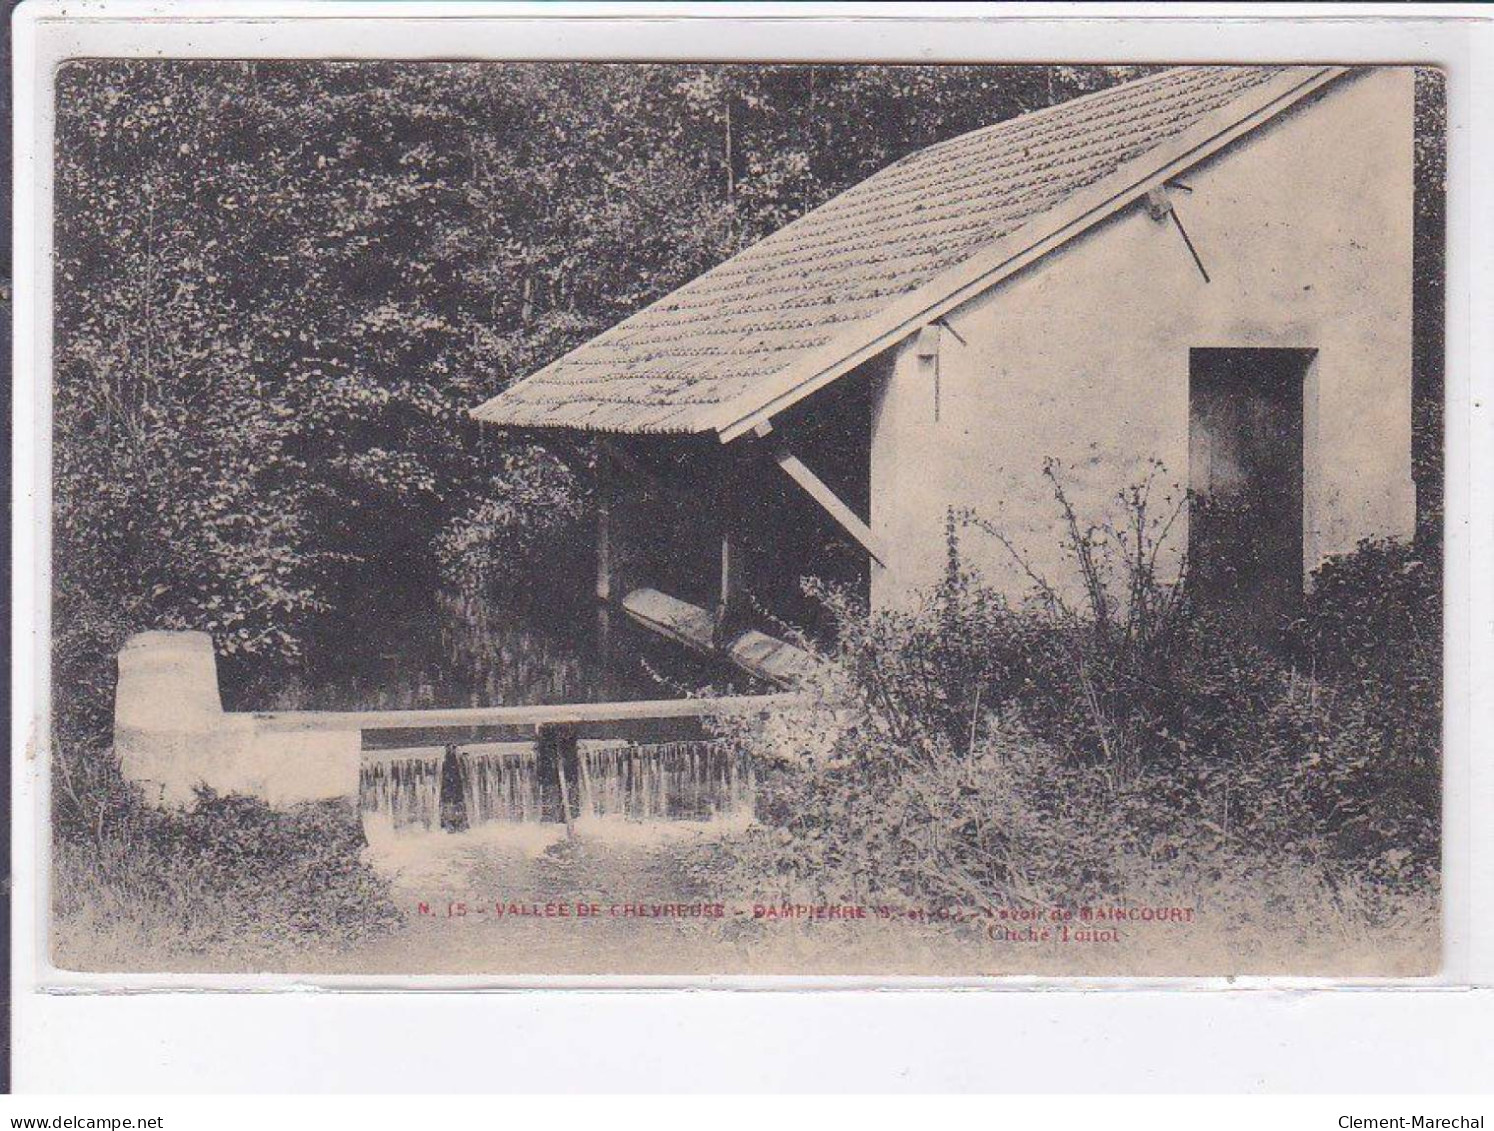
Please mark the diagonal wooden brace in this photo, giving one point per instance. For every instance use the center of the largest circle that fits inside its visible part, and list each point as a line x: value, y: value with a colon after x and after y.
x: 844, y: 516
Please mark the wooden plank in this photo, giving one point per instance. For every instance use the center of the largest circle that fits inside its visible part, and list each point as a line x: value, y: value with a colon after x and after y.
x: 849, y: 521
x: 670, y: 617
x: 434, y: 752
x: 538, y: 715
x: 756, y: 653
x: 770, y: 659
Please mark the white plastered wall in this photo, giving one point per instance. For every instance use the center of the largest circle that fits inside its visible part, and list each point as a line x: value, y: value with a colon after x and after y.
x: 1304, y: 228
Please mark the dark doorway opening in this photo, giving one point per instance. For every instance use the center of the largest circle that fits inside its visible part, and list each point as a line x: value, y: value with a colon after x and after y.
x: 1245, y: 536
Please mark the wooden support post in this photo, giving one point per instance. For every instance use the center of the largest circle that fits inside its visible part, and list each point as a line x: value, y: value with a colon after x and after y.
x: 565, y: 803
x: 606, y: 552
x: 733, y: 589
x: 732, y: 582
x: 606, y: 643
x: 733, y: 572
x: 608, y: 587
x: 452, y: 798
x: 556, y: 754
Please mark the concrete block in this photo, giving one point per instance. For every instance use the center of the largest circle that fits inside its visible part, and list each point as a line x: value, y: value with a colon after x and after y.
x: 172, y: 734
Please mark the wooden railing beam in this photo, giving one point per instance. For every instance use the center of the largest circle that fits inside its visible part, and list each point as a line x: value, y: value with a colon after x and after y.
x: 524, y: 716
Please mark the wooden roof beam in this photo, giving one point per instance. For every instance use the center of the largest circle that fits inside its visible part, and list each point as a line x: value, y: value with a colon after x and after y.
x: 1031, y: 241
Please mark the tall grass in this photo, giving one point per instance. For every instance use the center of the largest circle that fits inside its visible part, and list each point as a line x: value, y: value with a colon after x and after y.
x: 229, y: 882
x: 1121, y: 744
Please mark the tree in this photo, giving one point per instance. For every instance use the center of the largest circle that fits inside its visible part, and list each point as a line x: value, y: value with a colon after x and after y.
x: 281, y: 286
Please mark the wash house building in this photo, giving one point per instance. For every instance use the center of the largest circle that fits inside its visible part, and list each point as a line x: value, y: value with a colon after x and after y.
x: 1209, y: 267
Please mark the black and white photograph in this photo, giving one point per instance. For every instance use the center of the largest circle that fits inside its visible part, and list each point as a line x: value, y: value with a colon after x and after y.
x: 722, y: 518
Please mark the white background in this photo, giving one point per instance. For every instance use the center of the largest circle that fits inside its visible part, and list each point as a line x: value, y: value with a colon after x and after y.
x: 1265, y: 1037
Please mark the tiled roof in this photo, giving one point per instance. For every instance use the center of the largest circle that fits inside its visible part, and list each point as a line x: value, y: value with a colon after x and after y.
x: 820, y: 288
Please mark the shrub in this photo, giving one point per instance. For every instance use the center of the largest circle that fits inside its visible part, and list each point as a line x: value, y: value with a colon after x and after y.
x: 927, y: 672
x: 1105, y: 667
x: 975, y: 752
x: 1373, y: 625
x: 1371, y: 635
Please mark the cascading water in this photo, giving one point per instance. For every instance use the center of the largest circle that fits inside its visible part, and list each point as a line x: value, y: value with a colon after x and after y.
x: 694, y: 780
x: 404, y: 787
x: 501, y: 782
x: 671, y: 781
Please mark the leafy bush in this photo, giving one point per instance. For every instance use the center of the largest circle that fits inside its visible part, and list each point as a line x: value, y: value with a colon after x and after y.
x: 1374, y: 618
x: 973, y: 752
x: 1371, y: 636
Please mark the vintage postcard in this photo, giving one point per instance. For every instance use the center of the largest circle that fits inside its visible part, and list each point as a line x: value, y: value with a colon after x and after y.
x: 688, y: 518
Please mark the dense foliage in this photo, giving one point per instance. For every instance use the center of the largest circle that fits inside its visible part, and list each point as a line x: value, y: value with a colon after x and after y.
x: 280, y: 286
x: 975, y: 753
x: 1429, y: 309
x: 193, y: 882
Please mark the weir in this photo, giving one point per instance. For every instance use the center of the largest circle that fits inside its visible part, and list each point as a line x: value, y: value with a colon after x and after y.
x: 509, y: 782
x: 172, y: 736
